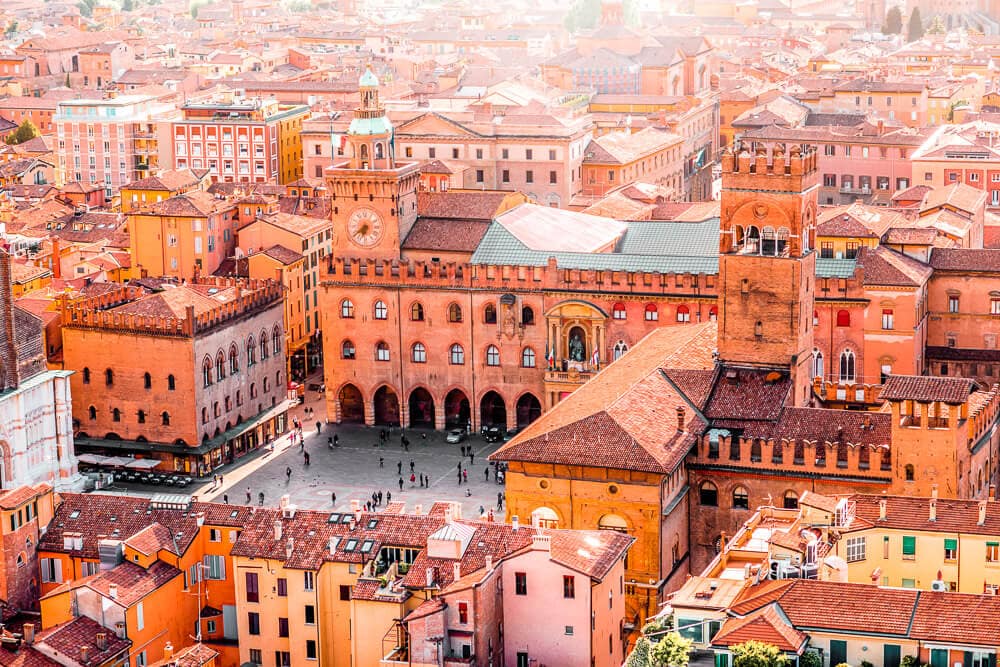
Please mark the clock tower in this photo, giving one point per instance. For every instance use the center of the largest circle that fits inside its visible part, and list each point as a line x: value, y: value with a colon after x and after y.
x: 374, y: 196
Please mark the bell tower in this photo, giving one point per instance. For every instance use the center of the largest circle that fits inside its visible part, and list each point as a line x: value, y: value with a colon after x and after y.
x: 374, y: 196
x: 767, y: 267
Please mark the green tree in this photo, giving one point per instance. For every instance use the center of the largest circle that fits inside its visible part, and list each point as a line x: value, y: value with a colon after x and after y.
x: 25, y: 132
x: 11, y: 29
x: 937, y: 26
x: 810, y: 658
x: 915, y: 29
x: 640, y: 655
x: 758, y: 654
x: 672, y: 650
x: 583, y: 15
x: 86, y: 7
x: 893, y: 21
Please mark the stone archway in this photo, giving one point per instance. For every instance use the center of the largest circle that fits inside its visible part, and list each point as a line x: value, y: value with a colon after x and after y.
x: 457, y: 409
x: 386, y: 406
x: 529, y: 408
x: 352, y: 405
x: 492, y: 410
x: 421, y: 408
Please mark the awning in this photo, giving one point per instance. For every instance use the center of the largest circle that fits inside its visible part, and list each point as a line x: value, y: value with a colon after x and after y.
x: 143, y: 464
x: 116, y: 461
x: 91, y: 458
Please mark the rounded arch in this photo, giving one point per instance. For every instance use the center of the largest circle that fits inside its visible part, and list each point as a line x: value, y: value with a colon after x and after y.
x: 346, y: 308
x: 385, y: 404
x: 544, y: 517
x: 234, y: 359
x: 454, y: 312
x: 262, y: 340
x: 347, y: 349
x: 220, y: 366
x: 790, y: 500
x: 708, y: 494
x: 276, y: 340
x: 421, y: 406
x: 492, y: 409
x: 613, y: 522
x: 741, y: 497
x: 598, y: 311
x: 457, y: 409
x: 529, y: 408
x: 416, y: 312
x: 352, y: 404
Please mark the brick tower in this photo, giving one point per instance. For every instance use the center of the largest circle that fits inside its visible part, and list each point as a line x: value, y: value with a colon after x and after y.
x: 767, y: 268
x: 374, y: 197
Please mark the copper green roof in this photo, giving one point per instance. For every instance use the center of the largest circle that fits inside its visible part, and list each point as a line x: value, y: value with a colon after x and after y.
x: 368, y: 80
x: 370, y: 126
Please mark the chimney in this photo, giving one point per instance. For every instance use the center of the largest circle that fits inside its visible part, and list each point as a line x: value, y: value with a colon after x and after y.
x: 447, y: 514
x: 429, y: 577
x: 277, y: 530
x: 541, y: 542
x: 982, y: 513
x: 933, y: 510
x: 113, y: 591
x: 101, y: 641
x: 289, y: 547
x: 881, y: 127
x: 353, y: 524
x: 84, y: 654
x: 28, y: 630
x: 881, y: 509
x: 514, y: 523
x: 283, y: 501
x: 456, y: 570
x: 168, y: 651
x: 355, y: 505
x: 680, y: 419
x: 418, y: 509
x: 456, y: 510
x: 333, y: 545
x: 489, y: 562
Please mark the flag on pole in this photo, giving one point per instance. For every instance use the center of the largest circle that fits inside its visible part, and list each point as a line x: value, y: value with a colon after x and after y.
x: 551, y: 357
x: 595, y: 359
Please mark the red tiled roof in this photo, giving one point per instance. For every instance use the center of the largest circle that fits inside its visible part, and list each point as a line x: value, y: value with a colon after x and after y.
x: 461, y: 204
x: 926, y: 389
x: 748, y: 393
x: 963, y: 259
x: 69, y: 637
x: 133, y: 581
x: 694, y: 383
x: 910, y: 236
x: 446, y: 234
x: 13, y: 498
x: 152, y: 539
x: 765, y: 625
x: 282, y: 254
x: 956, y: 618
x: 195, y: 655
x: 910, y: 513
x: 884, y: 266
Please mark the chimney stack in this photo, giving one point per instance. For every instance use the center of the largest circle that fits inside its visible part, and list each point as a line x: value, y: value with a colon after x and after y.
x: 881, y: 509
x: 680, y: 419
x: 84, y: 654
x: 514, y: 523
x: 429, y: 577
x: 489, y: 562
x: 982, y: 513
x: 28, y: 630
x: 168, y: 651
x: 457, y: 570
x: 289, y: 547
x: 113, y: 591
x: 277, y: 530
x: 933, y: 510
x: 101, y: 641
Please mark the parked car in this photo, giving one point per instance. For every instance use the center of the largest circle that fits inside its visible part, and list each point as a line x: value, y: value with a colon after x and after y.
x: 494, y: 434
x: 509, y: 435
x: 455, y: 436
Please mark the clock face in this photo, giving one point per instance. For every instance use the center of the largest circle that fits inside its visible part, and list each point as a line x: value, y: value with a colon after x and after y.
x: 365, y: 227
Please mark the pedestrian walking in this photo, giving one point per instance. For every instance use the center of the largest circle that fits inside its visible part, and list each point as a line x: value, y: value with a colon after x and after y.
x: 487, y: 473
x: 319, y: 426
x: 379, y: 497
x: 220, y: 480
x: 482, y: 511
x: 329, y: 443
x: 499, y: 500
x: 460, y: 467
x: 225, y: 498
x: 472, y: 456
x: 260, y: 497
x: 413, y: 479
x: 333, y: 498
x: 248, y: 495
x: 381, y: 462
x: 288, y: 474
x: 460, y: 478
x: 336, y: 440
x: 306, y: 455
x: 400, y: 483
x: 399, y: 468
x: 423, y: 436
x: 490, y: 517
x: 368, y: 506
x: 465, y: 475
x: 215, y: 480
x: 388, y: 496
x: 411, y: 465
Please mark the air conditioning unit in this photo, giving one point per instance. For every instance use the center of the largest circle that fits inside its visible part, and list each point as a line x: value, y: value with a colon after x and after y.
x: 939, y: 585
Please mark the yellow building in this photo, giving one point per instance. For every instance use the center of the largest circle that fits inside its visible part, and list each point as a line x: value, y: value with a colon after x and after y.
x: 27, y: 278
x: 286, y: 266
x: 145, y: 192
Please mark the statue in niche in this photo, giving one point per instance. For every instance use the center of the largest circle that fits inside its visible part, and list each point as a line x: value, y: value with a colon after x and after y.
x: 576, y: 351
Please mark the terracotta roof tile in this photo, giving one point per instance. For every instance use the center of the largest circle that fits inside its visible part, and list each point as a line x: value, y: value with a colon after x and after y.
x: 963, y: 259
x: 910, y: 236
x: 152, y: 539
x: 446, y: 234
x: 82, y: 631
x: 884, y: 266
x: 910, y: 513
x: 765, y: 625
x: 133, y: 581
x: 282, y: 254
x: 462, y: 204
x: 957, y: 618
x: 926, y: 389
x: 195, y: 655
x: 748, y: 393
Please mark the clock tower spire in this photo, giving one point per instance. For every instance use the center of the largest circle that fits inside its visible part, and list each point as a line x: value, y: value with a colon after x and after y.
x: 374, y: 196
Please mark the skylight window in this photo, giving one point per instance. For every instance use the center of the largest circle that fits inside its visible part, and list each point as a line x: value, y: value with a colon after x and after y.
x: 367, y: 545
x: 75, y: 514
x: 334, y: 518
x: 372, y: 523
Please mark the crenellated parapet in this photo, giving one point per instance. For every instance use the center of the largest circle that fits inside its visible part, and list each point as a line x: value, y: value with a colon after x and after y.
x: 773, y: 167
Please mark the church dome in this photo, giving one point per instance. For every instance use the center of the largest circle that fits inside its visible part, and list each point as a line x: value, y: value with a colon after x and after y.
x: 368, y: 80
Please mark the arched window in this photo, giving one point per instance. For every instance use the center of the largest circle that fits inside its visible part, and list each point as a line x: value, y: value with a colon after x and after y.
x: 618, y: 311
x: 267, y: 387
x: 419, y: 353
x: 276, y: 340
x: 843, y: 318
x: 457, y: 355
x: 141, y: 416
x: 741, y: 498
x: 791, y: 500
x: 454, y: 313
x: 528, y: 358
x: 378, y: 151
x: 220, y: 366
x: 619, y: 349
x: 92, y: 413
x: 171, y: 383
x: 206, y: 372
x: 417, y: 312
x: 109, y: 377
x: 527, y: 316
x: 263, y: 346
x: 381, y: 310
x: 239, y: 398
x: 215, y: 409
x: 652, y: 314
x: 847, y: 366
x: 683, y: 314
x: 234, y: 359
x: 612, y: 522
x: 251, y: 352
x: 490, y: 314
x: 116, y: 415
x: 147, y: 381
x: 347, y: 350
x: 253, y: 390
x: 165, y: 418
x: 381, y: 351
x: 86, y: 375
x: 708, y: 494
x: 347, y: 309
x: 817, y: 368
x: 909, y: 472
x: 492, y: 356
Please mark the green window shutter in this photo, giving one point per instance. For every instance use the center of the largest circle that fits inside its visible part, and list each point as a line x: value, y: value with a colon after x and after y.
x: 951, y: 544
x: 909, y: 545
x: 993, y: 544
